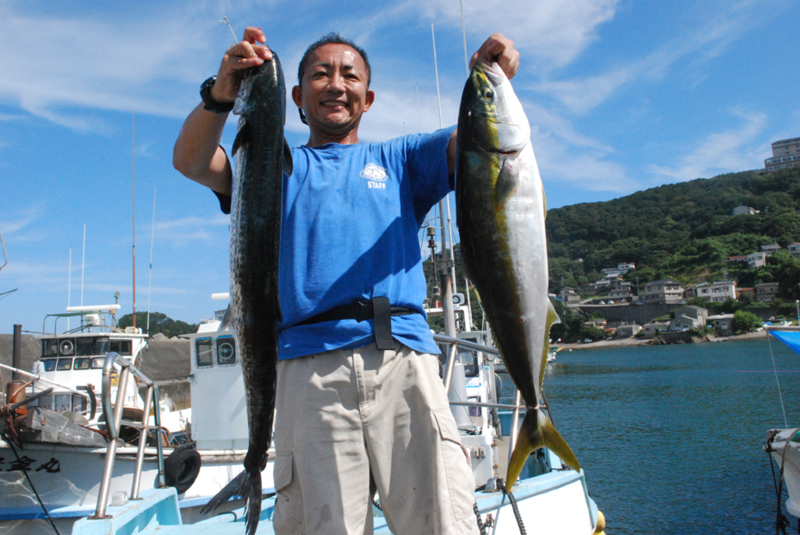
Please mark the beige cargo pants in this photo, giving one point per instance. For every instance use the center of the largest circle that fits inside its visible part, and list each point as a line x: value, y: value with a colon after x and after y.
x: 347, y: 415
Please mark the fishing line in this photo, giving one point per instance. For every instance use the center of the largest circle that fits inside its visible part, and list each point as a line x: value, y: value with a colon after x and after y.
x: 775, y: 369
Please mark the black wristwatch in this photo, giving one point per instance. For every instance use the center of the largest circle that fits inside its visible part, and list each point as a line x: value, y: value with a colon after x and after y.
x: 208, y: 101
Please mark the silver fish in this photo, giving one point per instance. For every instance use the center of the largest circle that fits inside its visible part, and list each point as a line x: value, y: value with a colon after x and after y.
x: 262, y: 157
x: 501, y: 211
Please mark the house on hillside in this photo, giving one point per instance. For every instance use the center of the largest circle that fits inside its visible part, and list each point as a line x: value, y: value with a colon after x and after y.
x: 744, y: 210
x: 738, y: 259
x: 716, y: 292
x: 770, y: 249
x: 662, y: 292
x: 569, y: 297
x: 756, y: 260
x: 766, y: 292
x: 794, y: 250
x: 722, y: 323
x: 627, y: 330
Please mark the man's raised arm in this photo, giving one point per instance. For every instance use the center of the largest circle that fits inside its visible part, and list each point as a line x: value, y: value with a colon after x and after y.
x: 197, y: 154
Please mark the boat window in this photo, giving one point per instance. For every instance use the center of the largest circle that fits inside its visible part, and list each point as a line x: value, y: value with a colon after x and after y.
x: 66, y: 347
x: 123, y: 347
x: 64, y: 364
x: 49, y: 364
x: 226, y: 351
x: 49, y: 348
x: 205, y: 353
x: 78, y: 403
x: 101, y: 347
x: 85, y: 346
x: 44, y: 401
x: 97, y: 363
x: 82, y: 364
x: 470, y: 360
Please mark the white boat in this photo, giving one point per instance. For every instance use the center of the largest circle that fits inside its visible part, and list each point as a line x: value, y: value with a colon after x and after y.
x: 549, y: 498
x: 783, y: 444
x: 55, y: 470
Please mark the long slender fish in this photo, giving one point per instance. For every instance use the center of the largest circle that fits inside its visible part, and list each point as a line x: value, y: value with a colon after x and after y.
x: 262, y: 157
x: 501, y: 210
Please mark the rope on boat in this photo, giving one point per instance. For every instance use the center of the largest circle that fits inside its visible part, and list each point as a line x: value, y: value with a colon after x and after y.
x: 777, y: 381
x: 502, y: 486
x: 8, y: 441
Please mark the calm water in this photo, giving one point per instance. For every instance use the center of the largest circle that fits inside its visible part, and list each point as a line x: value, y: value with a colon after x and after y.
x: 671, y: 437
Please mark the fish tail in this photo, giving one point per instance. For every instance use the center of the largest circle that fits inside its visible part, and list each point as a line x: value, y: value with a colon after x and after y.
x: 247, y: 485
x: 538, y: 432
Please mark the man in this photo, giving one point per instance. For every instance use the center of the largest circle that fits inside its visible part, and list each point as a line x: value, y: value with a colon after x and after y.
x: 360, y: 405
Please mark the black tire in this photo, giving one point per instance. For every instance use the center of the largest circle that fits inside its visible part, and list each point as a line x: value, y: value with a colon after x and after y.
x: 181, y: 468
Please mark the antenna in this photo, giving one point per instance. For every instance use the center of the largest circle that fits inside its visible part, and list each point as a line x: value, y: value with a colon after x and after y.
x: 419, y: 109
x: 69, y: 283
x: 150, y: 277
x: 133, y: 210
x: 83, y: 261
x: 464, y: 34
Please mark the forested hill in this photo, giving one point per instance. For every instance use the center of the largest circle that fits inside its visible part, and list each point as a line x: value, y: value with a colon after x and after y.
x: 683, y: 231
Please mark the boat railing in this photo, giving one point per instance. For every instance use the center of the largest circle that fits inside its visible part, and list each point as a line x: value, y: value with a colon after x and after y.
x: 114, y: 421
x: 38, y: 379
x: 454, y: 345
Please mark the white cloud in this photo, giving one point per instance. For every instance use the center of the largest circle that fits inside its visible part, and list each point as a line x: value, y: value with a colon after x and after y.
x: 721, y: 152
x: 551, y: 30
x: 189, y: 230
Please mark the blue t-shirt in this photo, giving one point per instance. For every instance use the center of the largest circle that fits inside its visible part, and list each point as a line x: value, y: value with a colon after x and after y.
x: 351, y: 217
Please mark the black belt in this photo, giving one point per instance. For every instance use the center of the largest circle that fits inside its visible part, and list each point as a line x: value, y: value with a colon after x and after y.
x: 377, y: 309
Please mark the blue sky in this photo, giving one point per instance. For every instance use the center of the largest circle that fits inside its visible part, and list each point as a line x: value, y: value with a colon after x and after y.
x: 621, y: 95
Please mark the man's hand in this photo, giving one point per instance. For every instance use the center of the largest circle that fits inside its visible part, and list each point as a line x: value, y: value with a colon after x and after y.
x: 500, y: 50
x: 238, y: 58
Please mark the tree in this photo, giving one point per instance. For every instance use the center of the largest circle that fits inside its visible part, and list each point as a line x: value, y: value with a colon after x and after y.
x: 745, y: 322
x: 159, y: 323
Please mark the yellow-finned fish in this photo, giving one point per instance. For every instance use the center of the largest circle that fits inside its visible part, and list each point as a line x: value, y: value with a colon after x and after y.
x: 501, y: 210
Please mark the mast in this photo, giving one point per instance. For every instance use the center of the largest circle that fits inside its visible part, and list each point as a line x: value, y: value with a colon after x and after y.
x: 133, y: 211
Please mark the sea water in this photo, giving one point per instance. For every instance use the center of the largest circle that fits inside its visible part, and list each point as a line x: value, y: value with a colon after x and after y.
x: 671, y: 437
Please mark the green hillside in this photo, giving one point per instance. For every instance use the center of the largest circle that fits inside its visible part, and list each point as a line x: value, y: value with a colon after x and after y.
x: 683, y: 231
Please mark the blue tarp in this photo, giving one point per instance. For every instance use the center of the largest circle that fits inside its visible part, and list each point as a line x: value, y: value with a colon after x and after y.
x: 790, y: 338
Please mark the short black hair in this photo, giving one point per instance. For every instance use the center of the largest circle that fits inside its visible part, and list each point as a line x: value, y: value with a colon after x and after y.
x: 336, y: 39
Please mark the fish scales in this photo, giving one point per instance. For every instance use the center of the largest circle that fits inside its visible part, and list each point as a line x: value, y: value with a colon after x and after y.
x: 501, y: 210
x: 261, y: 159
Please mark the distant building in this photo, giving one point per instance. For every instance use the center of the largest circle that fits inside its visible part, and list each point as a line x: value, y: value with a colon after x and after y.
x: 738, y: 259
x: 744, y: 210
x: 785, y: 153
x: 663, y: 292
x: 651, y: 329
x: 722, y: 323
x: 627, y: 330
x: 717, y: 292
x: 569, y: 297
x: 794, y: 250
x: 770, y: 249
x: 756, y: 260
x: 766, y: 292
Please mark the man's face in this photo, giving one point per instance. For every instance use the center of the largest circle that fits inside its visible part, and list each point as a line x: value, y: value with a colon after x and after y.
x: 334, y: 92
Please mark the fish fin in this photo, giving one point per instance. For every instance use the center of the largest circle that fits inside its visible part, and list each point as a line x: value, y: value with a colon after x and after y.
x: 288, y: 162
x: 241, y: 137
x: 551, y: 319
x: 544, y: 202
x: 506, y: 185
x: 538, y: 432
x: 227, y: 320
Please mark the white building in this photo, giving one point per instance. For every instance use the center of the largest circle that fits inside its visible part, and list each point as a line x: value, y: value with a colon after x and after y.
x: 663, y: 292
x: 756, y: 260
x: 744, y: 210
x: 717, y: 292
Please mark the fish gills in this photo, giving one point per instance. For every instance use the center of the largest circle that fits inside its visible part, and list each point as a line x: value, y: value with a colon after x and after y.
x: 501, y: 210
x: 261, y: 157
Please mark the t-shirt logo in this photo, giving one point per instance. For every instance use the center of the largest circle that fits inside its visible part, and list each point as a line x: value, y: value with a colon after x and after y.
x: 375, y: 175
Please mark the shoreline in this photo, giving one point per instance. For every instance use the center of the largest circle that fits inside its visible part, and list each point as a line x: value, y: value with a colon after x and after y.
x: 635, y: 342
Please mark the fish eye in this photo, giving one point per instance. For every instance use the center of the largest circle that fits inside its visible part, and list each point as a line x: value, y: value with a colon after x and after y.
x: 488, y: 94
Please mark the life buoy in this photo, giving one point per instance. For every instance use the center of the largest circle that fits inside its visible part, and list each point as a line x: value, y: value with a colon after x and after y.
x: 181, y: 468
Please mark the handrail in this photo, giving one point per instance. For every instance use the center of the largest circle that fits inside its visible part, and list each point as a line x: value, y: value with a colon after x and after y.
x: 113, y: 423
x: 42, y: 379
